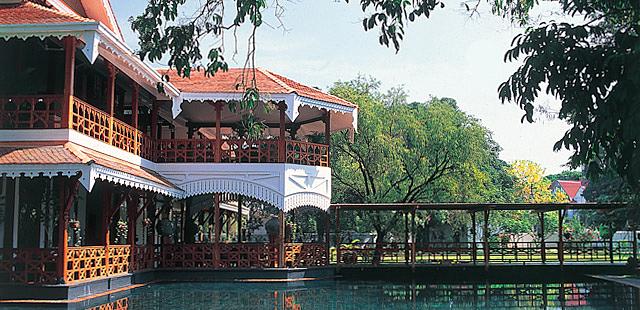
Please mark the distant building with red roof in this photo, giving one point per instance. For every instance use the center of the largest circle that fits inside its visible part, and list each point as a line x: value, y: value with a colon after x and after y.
x: 573, y: 189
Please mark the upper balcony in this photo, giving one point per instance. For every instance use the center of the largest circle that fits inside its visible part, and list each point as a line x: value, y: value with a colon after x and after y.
x: 56, y: 88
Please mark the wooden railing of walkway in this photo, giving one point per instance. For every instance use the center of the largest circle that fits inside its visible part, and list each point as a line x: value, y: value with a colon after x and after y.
x: 480, y: 252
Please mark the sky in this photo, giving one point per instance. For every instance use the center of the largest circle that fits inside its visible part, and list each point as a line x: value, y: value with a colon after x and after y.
x: 448, y: 55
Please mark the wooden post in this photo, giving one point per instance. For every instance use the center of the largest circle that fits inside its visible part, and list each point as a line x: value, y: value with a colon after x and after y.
x: 134, y: 104
x: 327, y: 236
x: 485, y: 239
x: 132, y: 210
x: 69, y: 72
x: 107, y: 207
x: 413, y: 238
x: 281, y: 237
x: 216, y: 229
x: 543, y: 246
x: 239, y: 219
x: 406, y: 239
x: 218, y: 152
x: 611, y: 243
x: 154, y: 119
x: 282, y: 146
x: 474, y: 237
x: 327, y: 128
x: 63, y: 232
x: 338, y: 241
x: 111, y: 88
x: 635, y: 243
x: 560, y: 237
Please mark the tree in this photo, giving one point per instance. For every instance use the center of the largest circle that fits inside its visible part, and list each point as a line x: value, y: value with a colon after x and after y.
x: 590, y: 66
x: 567, y: 175
x: 408, y: 152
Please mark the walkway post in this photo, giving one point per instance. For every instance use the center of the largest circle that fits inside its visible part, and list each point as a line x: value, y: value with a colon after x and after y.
x: 635, y: 243
x: 239, y: 218
x: 154, y: 119
x: 338, y: 239
x: 281, y: 236
x: 560, y: 237
x: 611, y: 243
x: 216, y: 230
x: 68, y: 191
x: 111, y: 95
x: 413, y: 237
x: 406, y: 238
x: 474, y: 238
x: 135, y: 95
x: 543, y: 246
x: 485, y: 239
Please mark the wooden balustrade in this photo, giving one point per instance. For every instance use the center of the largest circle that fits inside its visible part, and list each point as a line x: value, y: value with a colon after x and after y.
x: 498, y: 252
x: 145, y: 257
x: 249, y: 151
x: 307, y: 153
x: 30, y: 112
x: 298, y: 255
x: 85, y: 263
x: 248, y: 255
x: 185, y: 151
x: 29, y: 265
x: 187, y: 256
x: 46, y: 112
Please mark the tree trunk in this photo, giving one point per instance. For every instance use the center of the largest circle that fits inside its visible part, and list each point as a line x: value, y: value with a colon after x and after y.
x: 377, y: 254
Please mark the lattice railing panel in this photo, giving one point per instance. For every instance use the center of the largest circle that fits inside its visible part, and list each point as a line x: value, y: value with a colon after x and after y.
x: 84, y: 263
x: 307, y: 153
x: 249, y: 151
x: 31, y: 112
x: 118, y: 259
x: 90, y: 121
x: 125, y: 137
x: 248, y: 255
x: 29, y: 265
x: 305, y: 254
x: 185, y: 151
x: 145, y: 257
x: 187, y: 256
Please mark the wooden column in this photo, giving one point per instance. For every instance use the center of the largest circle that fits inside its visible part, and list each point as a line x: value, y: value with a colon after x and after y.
x: 132, y: 210
x: 413, y: 238
x: 282, y: 146
x: 407, y: 258
x: 635, y: 243
x: 111, y: 88
x: 69, y: 76
x: 474, y: 238
x: 543, y: 246
x: 154, y: 119
x: 560, y: 237
x: 327, y: 237
x: 338, y: 239
x: 327, y: 128
x: 239, y: 219
x: 485, y: 239
x: 611, y: 243
x: 63, y: 232
x: 216, y: 229
x: 107, y: 207
x: 218, y: 152
x: 134, y: 104
x: 281, y: 238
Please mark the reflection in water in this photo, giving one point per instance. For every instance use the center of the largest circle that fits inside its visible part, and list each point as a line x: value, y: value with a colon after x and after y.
x: 377, y: 295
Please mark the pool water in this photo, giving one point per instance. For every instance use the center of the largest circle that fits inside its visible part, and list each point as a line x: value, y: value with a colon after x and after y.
x: 379, y: 295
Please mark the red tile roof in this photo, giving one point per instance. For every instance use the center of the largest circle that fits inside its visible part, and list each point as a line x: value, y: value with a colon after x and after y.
x: 571, y: 188
x: 70, y: 153
x: 228, y: 82
x: 31, y: 13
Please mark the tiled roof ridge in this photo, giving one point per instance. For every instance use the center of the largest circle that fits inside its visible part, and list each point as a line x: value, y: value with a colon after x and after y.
x: 78, y: 153
x: 54, y: 11
x: 274, y: 77
x: 309, y: 88
x: 32, y: 6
